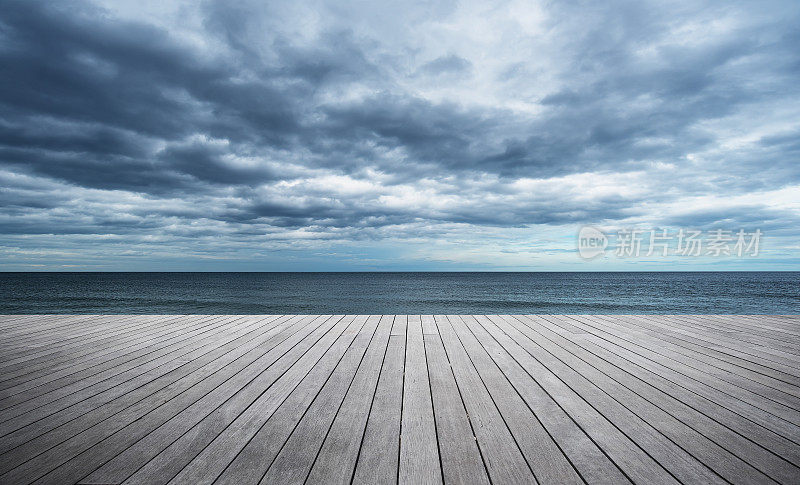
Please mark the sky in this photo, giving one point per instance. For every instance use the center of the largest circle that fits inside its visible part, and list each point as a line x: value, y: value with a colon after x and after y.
x: 246, y: 135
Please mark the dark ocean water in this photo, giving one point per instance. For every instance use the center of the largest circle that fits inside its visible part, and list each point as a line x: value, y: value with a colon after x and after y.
x: 426, y: 293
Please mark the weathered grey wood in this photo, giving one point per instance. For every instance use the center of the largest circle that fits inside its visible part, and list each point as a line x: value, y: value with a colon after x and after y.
x: 673, y: 458
x: 266, y: 425
x: 282, y: 406
x: 104, y: 329
x: 589, y: 460
x: 380, y: 448
x: 713, y: 408
x: 731, y: 372
x: 60, y: 434
x: 768, y: 399
x: 739, y: 327
x: 547, y: 461
x: 44, y: 428
x: 185, y: 432
x: 26, y: 336
x: 428, y: 325
x: 727, y: 341
x: 697, y: 384
x: 399, y: 326
x: 504, y: 460
x: 747, y: 451
x: 628, y: 456
x: 109, y: 438
x: 53, y: 340
x: 461, y: 458
x: 44, y: 324
x: 34, y: 409
x: 321, y: 390
x: 50, y: 390
x: 78, y: 331
x: 37, y: 364
x: 294, y: 462
x: 400, y: 398
x: 62, y: 354
x: 419, y: 451
x: 623, y: 389
x: 42, y: 443
x: 757, y: 322
x: 786, y: 323
x: 88, y: 354
x: 763, y: 334
x: 740, y: 357
x: 336, y: 460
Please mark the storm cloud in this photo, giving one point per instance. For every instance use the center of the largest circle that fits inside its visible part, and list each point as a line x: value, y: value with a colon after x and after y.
x: 400, y: 135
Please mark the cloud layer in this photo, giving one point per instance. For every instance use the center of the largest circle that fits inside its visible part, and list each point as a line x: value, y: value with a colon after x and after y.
x: 357, y: 135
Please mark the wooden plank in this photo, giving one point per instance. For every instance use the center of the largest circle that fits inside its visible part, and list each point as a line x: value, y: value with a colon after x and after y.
x: 292, y: 394
x: 545, y: 458
x: 713, y: 408
x: 184, y: 431
x: 51, y: 358
x: 722, y: 339
x: 46, y: 324
x: 748, y: 391
x: 399, y: 326
x: 89, y: 353
x: 760, y: 322
x: 107, y: 327
x: 632, y: 460
x: 699, y: 386
x: 742, y: 325
x: 504, y: 460
x: 672, y: 457
x: 379, y: 455
x: 76, y: 457
x: 746, y: 450
x: 788, y: 323
x: 108, y: 414
x: 405, y: 398
x: 54, y: 389
x: 27, y: 347
x: 60, y: 423
x: 697, y: 328
x: 740, y: 357
x: 336, y: 460
x: 22, y: 335
x: 738, y: 327
x: 63, y: 355
x: 747, y: 357
x: 76, y: 331
x: 57, y: 400
x: 429, y: 325
x: 461, y: 458
x: 593, y: 465
x: 731, y: 370
x: 627, y: 391
x: 293, y: 463
x: 419, y: 451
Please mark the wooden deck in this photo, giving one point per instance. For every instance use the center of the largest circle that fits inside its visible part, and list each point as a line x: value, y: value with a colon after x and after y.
x: 415, y: 399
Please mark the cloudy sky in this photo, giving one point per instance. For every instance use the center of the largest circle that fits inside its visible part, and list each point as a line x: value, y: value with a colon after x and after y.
x: 360, y: 135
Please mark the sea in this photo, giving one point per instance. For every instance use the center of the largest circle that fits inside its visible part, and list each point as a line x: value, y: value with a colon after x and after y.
x: 402, y: 293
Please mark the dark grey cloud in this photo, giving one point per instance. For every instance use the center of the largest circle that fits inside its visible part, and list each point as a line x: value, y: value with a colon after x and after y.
x: 318, y: 122
x: 445, y: 65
